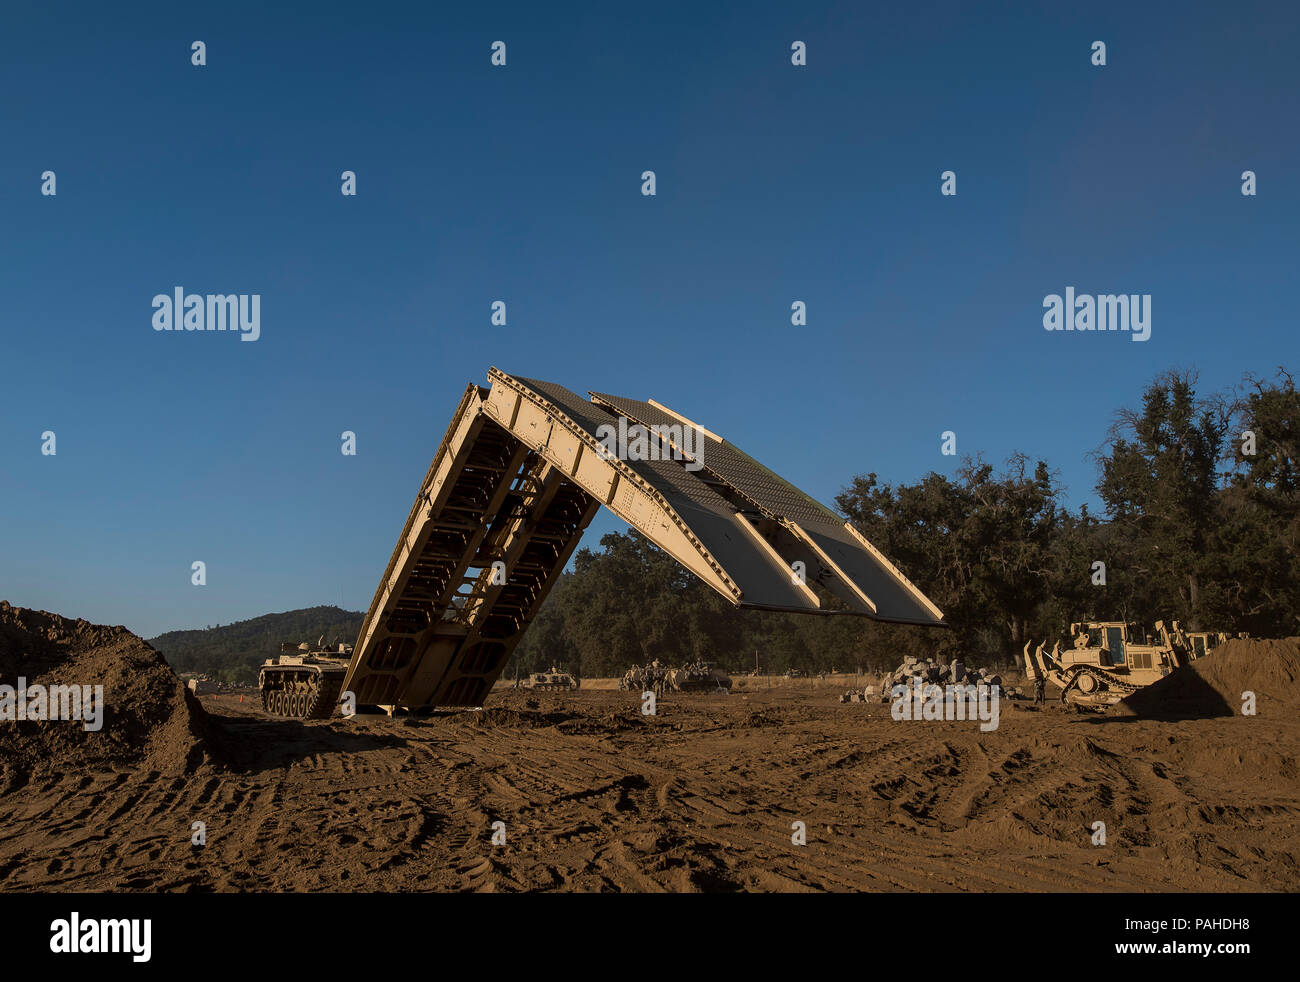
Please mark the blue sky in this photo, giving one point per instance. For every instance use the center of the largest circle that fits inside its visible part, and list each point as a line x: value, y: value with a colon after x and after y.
x: 522, y: 183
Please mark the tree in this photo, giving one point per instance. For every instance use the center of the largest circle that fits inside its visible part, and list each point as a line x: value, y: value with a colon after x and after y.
x: 1258, y: 535
x: 1159, y: 482
x: 979, y: 546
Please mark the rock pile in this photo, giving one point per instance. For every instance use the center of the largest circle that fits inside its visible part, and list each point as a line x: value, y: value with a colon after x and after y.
x: 930, y: 672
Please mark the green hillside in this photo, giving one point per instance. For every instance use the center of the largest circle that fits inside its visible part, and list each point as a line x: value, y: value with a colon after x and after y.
x: 233, y: 652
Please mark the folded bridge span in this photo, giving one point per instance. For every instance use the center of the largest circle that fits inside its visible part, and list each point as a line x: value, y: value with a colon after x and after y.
x: 519, y: 475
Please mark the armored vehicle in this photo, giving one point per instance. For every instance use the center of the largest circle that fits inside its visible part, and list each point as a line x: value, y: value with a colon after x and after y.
x: 698, y: 677
x: 305, y: 681
x: 552, y: 680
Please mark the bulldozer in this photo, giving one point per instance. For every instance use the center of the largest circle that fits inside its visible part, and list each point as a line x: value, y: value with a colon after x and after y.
x: 305, y: 680
x: 1108, y: 660
x: 1201, y: 643
x: 554, y: 680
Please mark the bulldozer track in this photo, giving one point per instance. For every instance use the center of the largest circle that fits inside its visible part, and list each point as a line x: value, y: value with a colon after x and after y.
x: 1109, y: 681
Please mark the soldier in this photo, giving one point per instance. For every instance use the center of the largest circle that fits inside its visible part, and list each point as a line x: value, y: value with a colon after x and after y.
x: 1040, y: 689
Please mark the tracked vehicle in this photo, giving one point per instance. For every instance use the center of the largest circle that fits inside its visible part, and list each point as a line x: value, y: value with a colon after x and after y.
x: 522, y: 470
x: 698, y: 677
x: 1200, y: 643
x: 552, y: 681
x: 305, y: 681
x: 1108, y: 661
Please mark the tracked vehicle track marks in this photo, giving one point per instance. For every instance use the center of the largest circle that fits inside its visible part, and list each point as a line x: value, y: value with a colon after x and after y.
x: 698, y: 799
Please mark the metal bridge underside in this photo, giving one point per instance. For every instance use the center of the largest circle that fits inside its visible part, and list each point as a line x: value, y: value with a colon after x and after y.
x: 518, y: 477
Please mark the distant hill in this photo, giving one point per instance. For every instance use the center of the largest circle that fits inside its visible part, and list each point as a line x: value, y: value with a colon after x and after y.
x: 234, y: 652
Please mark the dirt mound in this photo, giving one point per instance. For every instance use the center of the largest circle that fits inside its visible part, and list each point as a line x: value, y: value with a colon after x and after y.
x: 147, y: 718
x: 1212, y: 686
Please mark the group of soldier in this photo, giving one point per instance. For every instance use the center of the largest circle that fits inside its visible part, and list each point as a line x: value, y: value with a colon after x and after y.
x: 654, y: 677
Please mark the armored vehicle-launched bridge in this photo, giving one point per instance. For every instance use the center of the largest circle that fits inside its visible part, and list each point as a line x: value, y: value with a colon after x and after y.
x: 521, y: 471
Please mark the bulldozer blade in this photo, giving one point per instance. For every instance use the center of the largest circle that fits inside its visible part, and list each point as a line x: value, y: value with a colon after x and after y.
x: 1032, y: 669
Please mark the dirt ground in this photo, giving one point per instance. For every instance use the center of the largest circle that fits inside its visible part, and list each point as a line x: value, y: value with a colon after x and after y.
x: 702, y: 796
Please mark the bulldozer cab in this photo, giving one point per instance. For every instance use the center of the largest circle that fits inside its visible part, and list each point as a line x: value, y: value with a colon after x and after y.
x: 1113, y: 644
x: 1110, y: 637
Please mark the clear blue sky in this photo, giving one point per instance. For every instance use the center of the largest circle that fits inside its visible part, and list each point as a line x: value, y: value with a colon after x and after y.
x: 476, y: 183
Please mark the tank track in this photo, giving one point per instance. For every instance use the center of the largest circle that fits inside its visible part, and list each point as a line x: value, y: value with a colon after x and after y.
x: 302, y: 695
x: 1111, y: 685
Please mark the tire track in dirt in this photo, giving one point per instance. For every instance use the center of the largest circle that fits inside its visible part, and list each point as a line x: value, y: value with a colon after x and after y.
x: 700, y: 798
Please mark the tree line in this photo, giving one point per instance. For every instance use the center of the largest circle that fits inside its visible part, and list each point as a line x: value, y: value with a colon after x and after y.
x: 235, y: 652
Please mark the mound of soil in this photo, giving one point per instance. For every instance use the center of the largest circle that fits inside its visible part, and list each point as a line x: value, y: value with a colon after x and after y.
x: 1212, y: 686
x: 149, y: 719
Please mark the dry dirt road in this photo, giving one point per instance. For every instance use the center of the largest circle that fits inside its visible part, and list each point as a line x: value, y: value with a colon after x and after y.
x: 702, y: 796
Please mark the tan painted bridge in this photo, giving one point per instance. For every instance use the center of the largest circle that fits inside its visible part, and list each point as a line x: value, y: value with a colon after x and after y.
x: 521, y: 472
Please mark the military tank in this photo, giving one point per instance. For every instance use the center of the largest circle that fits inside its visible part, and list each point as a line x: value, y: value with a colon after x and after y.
x: 554, y: 680
x: 305, y: 680
x: 698, y: 677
